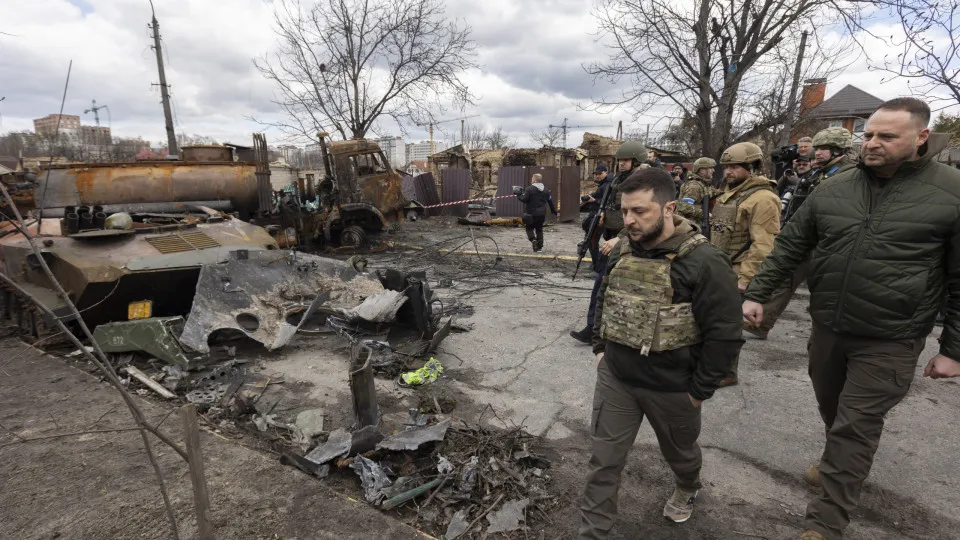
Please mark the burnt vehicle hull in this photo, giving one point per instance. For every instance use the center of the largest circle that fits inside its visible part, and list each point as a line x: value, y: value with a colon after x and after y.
x: 104, y: 274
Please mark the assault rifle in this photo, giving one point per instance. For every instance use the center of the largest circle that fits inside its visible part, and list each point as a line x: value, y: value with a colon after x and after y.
x: 594, y: 225
x: 705, y: 208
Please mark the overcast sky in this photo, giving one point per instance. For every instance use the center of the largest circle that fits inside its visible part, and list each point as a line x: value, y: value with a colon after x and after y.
x: 531, y: 52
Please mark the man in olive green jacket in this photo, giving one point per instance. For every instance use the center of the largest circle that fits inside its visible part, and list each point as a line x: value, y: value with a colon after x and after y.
x: 884, y: 243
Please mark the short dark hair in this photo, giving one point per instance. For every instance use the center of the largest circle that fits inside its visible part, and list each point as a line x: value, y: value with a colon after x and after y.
x: 651, y: 178
x: 919, y: 110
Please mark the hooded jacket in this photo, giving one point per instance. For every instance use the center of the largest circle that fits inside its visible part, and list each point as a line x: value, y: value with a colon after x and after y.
x: 535, y: 198
x: 881, y: 251
x: 705, y: 279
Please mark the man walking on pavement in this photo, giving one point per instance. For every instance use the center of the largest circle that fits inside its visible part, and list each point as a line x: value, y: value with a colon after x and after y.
x: 746, y: 218
x: 629, y: 157
x: 668, y: 328
x: 883, y: 240
x: 535, y: 198
x: 832, y: 156
x: 699, y: 184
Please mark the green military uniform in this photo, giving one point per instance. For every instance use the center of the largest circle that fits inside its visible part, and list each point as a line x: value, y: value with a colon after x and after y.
x: 882, y: 251
x: 668, y: 323
x: 840, y: 139
x: 696, y: 188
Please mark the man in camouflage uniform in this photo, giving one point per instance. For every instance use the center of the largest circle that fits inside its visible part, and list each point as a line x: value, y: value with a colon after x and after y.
x: 746, y: 217
x: 668, y: 327
x: 698, y: 185
x: 629, y: 157
x: 832, y: 147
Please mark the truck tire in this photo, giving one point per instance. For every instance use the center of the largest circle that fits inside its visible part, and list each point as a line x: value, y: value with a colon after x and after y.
x: 353, y: 237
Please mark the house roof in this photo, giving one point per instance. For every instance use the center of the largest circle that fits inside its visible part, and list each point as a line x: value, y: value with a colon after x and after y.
x: 849, y: 101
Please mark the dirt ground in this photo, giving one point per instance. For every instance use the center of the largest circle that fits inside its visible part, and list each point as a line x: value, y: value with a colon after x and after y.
x: 516, y: 360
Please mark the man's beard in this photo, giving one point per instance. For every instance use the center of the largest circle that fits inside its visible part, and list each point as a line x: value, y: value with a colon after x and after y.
x: 653, y: 234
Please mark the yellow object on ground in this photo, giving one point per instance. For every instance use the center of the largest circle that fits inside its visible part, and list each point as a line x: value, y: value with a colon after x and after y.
x: 425, y: 375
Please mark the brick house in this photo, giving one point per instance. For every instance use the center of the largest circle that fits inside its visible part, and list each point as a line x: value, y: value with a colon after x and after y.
x: 849, y: 108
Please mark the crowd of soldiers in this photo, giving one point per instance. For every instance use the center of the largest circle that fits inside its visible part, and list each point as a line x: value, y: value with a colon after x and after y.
x: 685, y: 270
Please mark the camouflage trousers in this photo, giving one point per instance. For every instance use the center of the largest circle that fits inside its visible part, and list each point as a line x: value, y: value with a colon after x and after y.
x: 618, y: 410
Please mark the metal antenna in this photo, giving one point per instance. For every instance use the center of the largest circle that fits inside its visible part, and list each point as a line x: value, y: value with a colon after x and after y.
x: 56, y: 135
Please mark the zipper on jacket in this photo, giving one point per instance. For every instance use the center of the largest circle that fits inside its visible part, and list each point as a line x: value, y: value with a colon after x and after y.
x: 864, y: 226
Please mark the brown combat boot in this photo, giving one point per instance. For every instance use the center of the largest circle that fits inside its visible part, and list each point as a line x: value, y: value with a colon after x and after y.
x: 730, y: 380
x: 811, y: 535
x: 812, y: 476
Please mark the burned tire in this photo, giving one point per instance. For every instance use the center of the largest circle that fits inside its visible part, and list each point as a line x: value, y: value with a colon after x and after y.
x: 353, y: 237
x: 412, y: 215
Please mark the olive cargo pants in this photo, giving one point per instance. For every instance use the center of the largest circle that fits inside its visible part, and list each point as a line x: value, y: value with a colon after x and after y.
x: 856, y: 381
x: 781, y: 297
x: 618, y: 410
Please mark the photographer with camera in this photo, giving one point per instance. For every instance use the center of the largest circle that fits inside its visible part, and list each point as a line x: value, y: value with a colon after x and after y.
x: 832, y: 146
x: 791, y: 177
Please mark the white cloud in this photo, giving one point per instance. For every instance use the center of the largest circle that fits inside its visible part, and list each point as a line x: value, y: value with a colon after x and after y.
x: 530, y: 51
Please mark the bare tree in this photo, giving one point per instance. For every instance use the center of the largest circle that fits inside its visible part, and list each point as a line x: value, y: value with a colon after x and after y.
x: 341, y: 65
x: 929, y: 49
x: 497, y: 139
x: 552, y: 136
x: 474, y: 137
x: 702, y: 58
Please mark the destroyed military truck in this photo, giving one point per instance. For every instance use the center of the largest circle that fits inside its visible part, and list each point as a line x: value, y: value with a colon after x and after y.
x: 358, y: 195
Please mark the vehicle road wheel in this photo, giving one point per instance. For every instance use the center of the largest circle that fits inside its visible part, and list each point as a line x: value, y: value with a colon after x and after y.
x: 5, y: 310
x: 353, y: 237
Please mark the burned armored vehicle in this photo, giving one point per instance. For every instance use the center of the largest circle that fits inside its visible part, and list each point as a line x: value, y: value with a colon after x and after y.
x: 150, y: 252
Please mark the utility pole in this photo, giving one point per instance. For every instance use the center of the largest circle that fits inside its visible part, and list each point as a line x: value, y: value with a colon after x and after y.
x: 791, y: 104
x: 164, y: 90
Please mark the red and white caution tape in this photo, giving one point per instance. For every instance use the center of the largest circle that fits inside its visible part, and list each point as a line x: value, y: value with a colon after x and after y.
x: 469, y: 201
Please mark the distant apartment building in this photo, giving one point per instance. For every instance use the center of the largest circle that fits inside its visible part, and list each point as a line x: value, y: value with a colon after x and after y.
x: 395, y: 150
x: 48, y: 124
x: 95, y: 135
x: 421, y: 151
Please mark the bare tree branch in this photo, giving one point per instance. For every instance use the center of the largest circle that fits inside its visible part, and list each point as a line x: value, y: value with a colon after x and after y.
x: 342, y: 65
x: 708, y: 61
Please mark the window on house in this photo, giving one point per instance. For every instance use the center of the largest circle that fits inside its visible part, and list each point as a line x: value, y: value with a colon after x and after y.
x: 835, y: 123
x: 859, y: 124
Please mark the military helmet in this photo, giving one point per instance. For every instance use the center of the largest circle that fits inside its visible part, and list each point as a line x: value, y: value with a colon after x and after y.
x: 632, y: 150
x: 837, y: 137
x: 703, y: 163
x: 740, y: 153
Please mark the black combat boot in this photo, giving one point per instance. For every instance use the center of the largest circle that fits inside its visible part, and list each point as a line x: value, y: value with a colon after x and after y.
x: 583, y: 336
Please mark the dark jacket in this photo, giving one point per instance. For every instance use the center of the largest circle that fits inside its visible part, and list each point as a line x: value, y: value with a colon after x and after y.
x: 535, y: 198
x: 881, y: 251
x: 704, y: 277
x: 602, y: 187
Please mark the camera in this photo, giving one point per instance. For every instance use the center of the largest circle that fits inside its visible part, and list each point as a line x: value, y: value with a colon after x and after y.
x: 783, y: 158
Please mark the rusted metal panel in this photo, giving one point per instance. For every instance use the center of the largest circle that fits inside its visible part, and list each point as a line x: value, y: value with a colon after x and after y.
x: 409, y: 190
x: 456, y: 187
x: 509, y: 177
x: 206, y: 152
x: 149, y: 182
x: 427, y: 194
x: 569, y: 196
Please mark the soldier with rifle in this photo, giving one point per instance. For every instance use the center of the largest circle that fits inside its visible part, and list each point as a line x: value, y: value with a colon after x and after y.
x: 629, y: 157
x: 698, y: 187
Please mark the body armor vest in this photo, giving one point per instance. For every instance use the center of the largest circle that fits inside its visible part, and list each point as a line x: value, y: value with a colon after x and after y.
x: 638, y: 308
x: 726, y: 234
